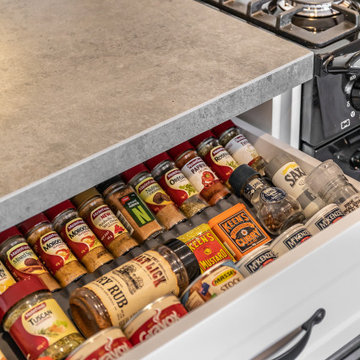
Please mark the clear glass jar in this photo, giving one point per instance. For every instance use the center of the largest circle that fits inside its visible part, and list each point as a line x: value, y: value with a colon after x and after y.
x: 166, y: 212
x: 176, y: 185
x: 21, y: 260
x: 93, y: 309
x: 103, y: 222
x: 52, y: 250
x: 78, y: 236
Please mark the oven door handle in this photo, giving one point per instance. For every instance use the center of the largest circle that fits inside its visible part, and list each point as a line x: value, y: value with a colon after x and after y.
x: 343, y: 64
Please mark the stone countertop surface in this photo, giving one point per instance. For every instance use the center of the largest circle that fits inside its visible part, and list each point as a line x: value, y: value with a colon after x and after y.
x: 82, y: 77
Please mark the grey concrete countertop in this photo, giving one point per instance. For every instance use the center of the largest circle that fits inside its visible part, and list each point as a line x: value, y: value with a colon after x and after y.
x: 91, y: 88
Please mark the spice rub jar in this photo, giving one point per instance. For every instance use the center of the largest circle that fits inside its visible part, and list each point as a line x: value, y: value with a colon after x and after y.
x: 103, y: 222
x: 198, y: 173
x: 51, y: 249
x: 21, y: 260
x: 114, y: 298
x: 130, y: 209
x: 77, y: 235
x: 154, y: 196
x: 176, y: 185
x: 36, y: 322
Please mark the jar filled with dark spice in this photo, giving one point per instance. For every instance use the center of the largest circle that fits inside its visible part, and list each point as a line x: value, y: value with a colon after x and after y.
x: 130, y: 209
x: 198, y: 173
x: 51, y: 249
x: 78, y: 236
x: 166, y: 212
x: 36, y: 322
x: 238, y: 146
x: 176, y: 185
x: 21, y: 260
x: 103, y: 222
x: 219, y: 160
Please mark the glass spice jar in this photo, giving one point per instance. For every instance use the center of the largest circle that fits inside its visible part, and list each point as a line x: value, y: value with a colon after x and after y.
x: 51, y: 249
x: 103, y: 222
x: 198, y: 173
x: 238, y: 146
x: 77, y: 235
x: 166, y: 212
x: 36, y: 322
x: 115, y: 297
x: 219, y: 160
x: 130, y: 209
x: 21, y: 260
x: 176, y: 185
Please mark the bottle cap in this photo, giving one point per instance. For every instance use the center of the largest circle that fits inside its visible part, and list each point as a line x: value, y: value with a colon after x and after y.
x: 240, y: 176
x: 28, y: 224
x: 18, y: 291
x: 219, y: 129
x: 196, y: 140
x: 276, y: 163
x: 53, y: 212
x: 130, y: 173
x: 151, y: 163
x: 186, y: 256
x: 179, y: 149
x: 9, y: 233
x: 104, y: 185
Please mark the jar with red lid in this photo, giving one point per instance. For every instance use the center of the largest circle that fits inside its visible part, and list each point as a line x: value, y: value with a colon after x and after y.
x: 198, y: 173
x: 78, y: 236
x: 219, y: 160
x: 36, y: 322
x: 21, y: 260
x: 238, y: 146
x: 176, y: 185
x: 166, y: 212
x: 51, y: 249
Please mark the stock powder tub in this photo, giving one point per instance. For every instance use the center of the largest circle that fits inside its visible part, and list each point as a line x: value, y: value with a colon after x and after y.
x: 324, y: 218
x: 289, y: 239
x: 211, y: 283
x: 107, y: 344
x: 256, y: 260
x: 154, y: 318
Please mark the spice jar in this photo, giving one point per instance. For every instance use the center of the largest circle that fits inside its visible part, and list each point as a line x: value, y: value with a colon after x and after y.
x: 21, y: 260
x: 288, y: 175
x: 77, y: 235
x: 154, y: 196
x: 330, y: 183
x: 130, y: 209
x: 219, y: 160
x: 103, y: 222
x: 52, y: 251
x: 114, y: 298
x: 176, y: 185
x: 238, y: 146
x: 198, y: 173
x: 36, y: 322
x: 276, y: 209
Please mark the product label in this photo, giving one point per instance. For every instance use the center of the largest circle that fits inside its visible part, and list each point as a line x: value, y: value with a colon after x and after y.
x: 297, y: 238
x: 22, y: 261
x: 329, y: 218
x: 261, y: 260
x: 252, y: 186
x: 150, y: 322
x: 206, y: 246
x: 6, y: 280
x: 137, y: 209
x: 105, y: 224
x: 272, y: 195
x: 350, y: 204
x: 221, y: 162
x: 152, y: 194
x: 2, y: 356
x: 79, y: 237
x: 199, y: 174
x: 177, y: 186
x: 241, y: 150
x: 40, y: 327
x: 128, y: 288
x: 53, y: 251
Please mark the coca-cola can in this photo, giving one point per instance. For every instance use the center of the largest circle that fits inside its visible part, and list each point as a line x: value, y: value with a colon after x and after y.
x: 110, y: 343
x: 153, y: 318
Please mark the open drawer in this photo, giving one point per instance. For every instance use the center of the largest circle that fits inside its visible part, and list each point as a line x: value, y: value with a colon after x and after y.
x: 241, y: 323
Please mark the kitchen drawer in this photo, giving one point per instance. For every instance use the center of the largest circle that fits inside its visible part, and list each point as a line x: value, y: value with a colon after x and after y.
x: 321, y: 273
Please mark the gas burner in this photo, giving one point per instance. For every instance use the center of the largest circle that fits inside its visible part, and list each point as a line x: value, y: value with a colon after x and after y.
x: 313, y: 8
